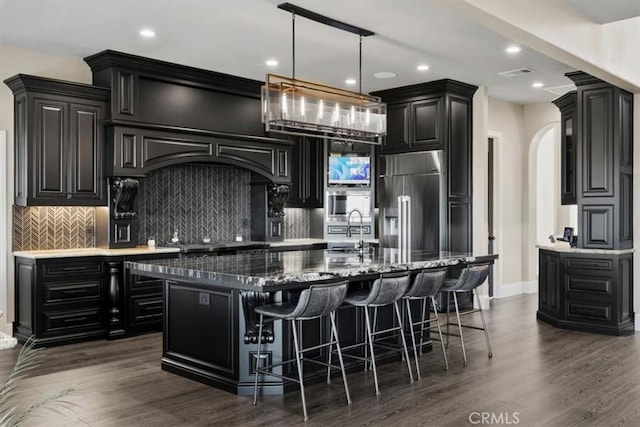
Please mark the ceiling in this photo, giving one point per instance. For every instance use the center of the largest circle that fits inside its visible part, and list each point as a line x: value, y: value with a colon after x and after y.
x: 238, y: 36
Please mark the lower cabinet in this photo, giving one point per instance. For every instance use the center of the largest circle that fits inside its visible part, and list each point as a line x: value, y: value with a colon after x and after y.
x: 65, y: 300
x: 586, y: 291
x: 59, y: 300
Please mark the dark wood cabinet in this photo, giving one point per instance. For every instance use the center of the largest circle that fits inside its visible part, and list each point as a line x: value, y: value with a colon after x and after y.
x: 415, y: 126
x: 307, y: 174
x: 549, y: 283
x: 59, y: 142
x: 568, y: 150
x: 590, y: 292
x: 59, y: 301
x: 69, y: 299
x: 438, y: 116
x: 603, y: 129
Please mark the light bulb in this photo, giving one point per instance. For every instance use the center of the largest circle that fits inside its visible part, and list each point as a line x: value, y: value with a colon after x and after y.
x: 302, y: 109
x: 353, y: 115
x: 367, y: 117
x: 284, y: 104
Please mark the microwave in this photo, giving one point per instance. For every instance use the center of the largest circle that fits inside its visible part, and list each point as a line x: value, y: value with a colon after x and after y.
x: 340, y: 203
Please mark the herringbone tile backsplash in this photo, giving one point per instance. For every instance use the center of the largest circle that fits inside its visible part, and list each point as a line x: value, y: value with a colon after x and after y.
x: 297, y: 223
x: 48, y: 227
x: 196, y: 201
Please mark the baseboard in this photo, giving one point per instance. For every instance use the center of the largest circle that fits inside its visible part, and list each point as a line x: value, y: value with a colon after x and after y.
x: 516, y: 288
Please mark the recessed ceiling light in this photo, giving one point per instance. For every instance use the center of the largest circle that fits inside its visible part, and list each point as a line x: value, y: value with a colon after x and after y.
x: 538, y: 84
x: 148, y: 33
x: 384, y: 75
x: 513, y: 49
x: 350, y: 81
x: 422, y: 67
x: 272, y: 63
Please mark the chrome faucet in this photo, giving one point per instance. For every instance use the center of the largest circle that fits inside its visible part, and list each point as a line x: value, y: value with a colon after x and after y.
x: 360, y: 244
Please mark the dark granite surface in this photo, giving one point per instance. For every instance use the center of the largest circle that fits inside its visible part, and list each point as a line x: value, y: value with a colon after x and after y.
x: 271, y: 271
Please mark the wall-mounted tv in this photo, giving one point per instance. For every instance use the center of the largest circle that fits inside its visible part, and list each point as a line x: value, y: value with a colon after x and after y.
x: 350, y: 170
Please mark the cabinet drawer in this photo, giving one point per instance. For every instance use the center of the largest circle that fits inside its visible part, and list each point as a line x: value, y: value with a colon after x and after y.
x: 55, y: 292
x: 62, y: 321
x: 57, y: 270
x: 582, y: 264
x: 589, y: 284
x: 579, y: 309
x: 142, y: 282
x: 147, y: 309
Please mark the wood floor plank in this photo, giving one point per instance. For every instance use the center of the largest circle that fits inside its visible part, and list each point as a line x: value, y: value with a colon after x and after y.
x: 547, y: 376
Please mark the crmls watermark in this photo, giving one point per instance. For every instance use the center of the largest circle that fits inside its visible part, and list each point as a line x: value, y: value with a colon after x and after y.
x: 489, y: 418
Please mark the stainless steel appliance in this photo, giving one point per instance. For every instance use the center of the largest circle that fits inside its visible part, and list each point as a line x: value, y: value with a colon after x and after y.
x: 411, y: 201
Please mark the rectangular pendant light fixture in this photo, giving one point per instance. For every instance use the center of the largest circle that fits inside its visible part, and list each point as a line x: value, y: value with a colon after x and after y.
x: 297, y: 107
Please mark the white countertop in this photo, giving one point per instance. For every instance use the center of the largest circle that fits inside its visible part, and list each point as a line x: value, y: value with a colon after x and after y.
x: 565, y: 247
x: 144, y: 250
x: 82, y: 252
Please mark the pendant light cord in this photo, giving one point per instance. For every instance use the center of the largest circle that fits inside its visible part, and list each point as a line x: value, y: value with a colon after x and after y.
x: 360, y: 65
x: 293, y: 44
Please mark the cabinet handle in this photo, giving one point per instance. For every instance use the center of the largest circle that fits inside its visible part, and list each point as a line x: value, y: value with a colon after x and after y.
x: 76, y: 291
x: 75, y: 319
x: 75, y: 268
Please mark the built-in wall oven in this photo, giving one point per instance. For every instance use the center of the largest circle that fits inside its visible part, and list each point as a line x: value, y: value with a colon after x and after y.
x: 341, y: 202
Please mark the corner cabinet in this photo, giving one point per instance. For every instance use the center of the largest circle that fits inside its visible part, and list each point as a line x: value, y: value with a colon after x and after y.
x: 59, y: 139
x: 307, y: 174
x: 587, y: 291
x: 568, y: 123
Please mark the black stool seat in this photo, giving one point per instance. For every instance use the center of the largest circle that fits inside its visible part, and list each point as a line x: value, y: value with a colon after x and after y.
x: 471, y: 278
x: 314, y: 302
x: 425, y: 286
x: 385, y: 290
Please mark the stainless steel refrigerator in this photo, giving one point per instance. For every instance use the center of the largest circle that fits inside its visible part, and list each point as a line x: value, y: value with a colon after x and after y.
x: 410, y: 201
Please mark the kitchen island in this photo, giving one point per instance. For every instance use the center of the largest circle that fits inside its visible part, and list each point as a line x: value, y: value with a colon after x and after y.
x: 210, y: 330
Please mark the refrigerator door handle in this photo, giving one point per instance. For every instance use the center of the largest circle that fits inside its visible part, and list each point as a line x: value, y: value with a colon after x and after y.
x: 404, y: 227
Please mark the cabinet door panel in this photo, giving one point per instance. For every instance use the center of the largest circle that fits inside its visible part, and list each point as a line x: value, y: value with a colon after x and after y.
x: 597, y: 140
x: 427, y: 123
x: 397, y: 138
x: 50, y: 141
x: 86, y: 151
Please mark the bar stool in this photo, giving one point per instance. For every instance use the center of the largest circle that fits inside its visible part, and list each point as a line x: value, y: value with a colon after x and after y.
x: 425, y: 286
x: 471, y: 277
x: 385, y: 290
x: 314, y: 302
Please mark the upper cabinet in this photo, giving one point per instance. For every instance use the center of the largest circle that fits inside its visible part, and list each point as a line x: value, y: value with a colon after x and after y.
x: 307, y: 174
x: 415, y: 126
x: 603, y: 128
x: 59, y: 142
x: 567, y: 105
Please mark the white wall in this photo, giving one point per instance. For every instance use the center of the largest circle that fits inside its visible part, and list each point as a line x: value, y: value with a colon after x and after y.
x: 14, y: 60
x: 547, y: 190
x: 508, y: 119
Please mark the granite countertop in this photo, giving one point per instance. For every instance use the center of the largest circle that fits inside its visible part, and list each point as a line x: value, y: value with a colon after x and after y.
x: 273, y: 271
x: 564, y: 247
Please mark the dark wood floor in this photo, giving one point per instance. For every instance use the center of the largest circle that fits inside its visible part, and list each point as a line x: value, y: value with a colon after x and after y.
x: 547, y: 376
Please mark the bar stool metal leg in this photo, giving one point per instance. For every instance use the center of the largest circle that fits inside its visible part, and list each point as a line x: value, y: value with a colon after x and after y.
x: 424, y: 307
x: 448, y: 321
x: 332, y: 315
x: 413, y: 338
x: 373, y: 358
x: 299, y: 362
x: 484, y: 326
x: 404, y: 342
x: 444, y: 351
x: 329, y: 359
x: 464, y: 353
x: 258, y: 359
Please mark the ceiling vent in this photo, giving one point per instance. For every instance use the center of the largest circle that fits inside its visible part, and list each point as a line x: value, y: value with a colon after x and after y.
x: 518, y: 72
x: 561, y: 90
